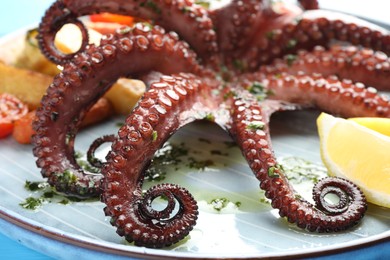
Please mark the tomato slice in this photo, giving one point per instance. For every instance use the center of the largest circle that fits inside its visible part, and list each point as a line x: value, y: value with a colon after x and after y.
x: 112, y: 18
x: 11, y: 109
x: 6, y: 129
x: 23, y: 130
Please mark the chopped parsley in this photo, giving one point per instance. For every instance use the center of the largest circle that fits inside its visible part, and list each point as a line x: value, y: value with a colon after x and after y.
x: 291, y: 44
x: 218, y: 152
x: 256, y: 125
x: 124, y: 30
x: 120, y: 124
x: 272, y: 169
x: 230, y: 144
x: 86, y: 166
x: 31, y: 203
x: 186, y: 9
x: 67, y: 177
x: 229, y: 95
x: 43, y: 193
x: 204, y: 4
x: 204, y: 140
x: 220, y: 203
x: 168, y: 155
x: 209, y: 117
x: 290, y: 58
x: 259, y: 90
x: 199, y: 164
x: 154, y: 136
x: 299, y: 170
x: 256, y: 88
x: 35, y: 185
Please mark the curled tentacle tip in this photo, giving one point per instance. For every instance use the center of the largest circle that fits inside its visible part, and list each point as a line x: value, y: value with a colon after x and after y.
x: 91, y: 158
x: 147, y: 226
x: 55, y: 18
x: 146, y: 206
x: 347, y: 194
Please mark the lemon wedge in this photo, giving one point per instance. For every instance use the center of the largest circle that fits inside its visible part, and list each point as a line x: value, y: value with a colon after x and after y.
x: 357, y: 153
x: 378, y: 124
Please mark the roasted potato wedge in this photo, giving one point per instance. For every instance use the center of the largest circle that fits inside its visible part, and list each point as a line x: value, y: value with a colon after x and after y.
x: 29, y: 86
x: 33, y: 73
x: 124, y: 94
x: 31, y: 57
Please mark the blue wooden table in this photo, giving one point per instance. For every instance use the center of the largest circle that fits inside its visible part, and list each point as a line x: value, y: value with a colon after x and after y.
x: 20, y: 13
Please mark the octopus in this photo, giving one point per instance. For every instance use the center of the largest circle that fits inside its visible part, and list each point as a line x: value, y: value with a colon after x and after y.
x: 234, y: 65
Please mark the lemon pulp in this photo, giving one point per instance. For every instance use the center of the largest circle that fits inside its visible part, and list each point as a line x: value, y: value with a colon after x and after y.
x: 381, y: 125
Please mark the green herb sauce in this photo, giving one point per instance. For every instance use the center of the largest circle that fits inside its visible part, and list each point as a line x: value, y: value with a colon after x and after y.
x: 220, y: 203
x: 199, y: 164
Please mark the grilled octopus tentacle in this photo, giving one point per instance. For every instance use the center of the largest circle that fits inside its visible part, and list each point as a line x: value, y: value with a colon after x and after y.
x: 342, y: 97
x: 309, y: 4
x: 55, y: 17
x: 85, y: 80
x: 190, y: 21
x: 236, y: 22
x: 169, y: 104
x: 312, y: 30
x: 347, y: 62
x: 256, y: 147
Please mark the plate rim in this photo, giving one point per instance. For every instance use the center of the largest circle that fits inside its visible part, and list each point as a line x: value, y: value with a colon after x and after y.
x: 142, y: 252
x: 38, y: 228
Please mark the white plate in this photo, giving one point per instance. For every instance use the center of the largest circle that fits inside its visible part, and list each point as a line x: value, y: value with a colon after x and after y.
x: 253, y: 229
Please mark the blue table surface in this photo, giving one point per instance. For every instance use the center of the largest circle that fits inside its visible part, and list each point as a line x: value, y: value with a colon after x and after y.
x: 16, y: 14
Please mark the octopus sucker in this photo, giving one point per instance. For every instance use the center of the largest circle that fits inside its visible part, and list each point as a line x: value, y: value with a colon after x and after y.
x: 341, y: 97
x: 279, y: 58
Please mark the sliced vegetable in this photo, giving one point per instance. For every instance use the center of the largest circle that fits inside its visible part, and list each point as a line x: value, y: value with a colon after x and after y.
x: 103, y: 27
x: 28, y: 86
x: 99, y: 112
x: 112, y: 18
x: 11, y: 109
x: 23, y: 130
x: 124, y: 94
x: 31, y: 58
x: 5, y: 129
